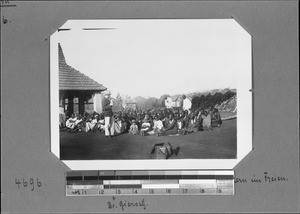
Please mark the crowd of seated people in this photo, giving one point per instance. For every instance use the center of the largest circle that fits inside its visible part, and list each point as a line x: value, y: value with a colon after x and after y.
x: 151, y: 122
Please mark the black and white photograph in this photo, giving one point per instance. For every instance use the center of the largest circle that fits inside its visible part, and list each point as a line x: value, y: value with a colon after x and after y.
x: 151, y: 89
x: 149, y: 106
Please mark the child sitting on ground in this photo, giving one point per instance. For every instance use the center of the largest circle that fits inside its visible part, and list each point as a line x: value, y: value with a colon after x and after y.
x: 158, y: 126
x: 134, y: 130
x: 146, y: 126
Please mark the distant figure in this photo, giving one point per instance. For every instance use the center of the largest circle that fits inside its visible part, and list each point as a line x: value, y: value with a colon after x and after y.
x: 206, y: 121
x: 101, y: 124
x: 79, y: 123
x: 180, y: 122
x: 216, y: 120
x: 118, y: 125
x: 146, y: 127
x: 74, y: 122
x: 134, y: 129
x: 62, y: 117
x: 200, y: 119
x: 89, y: 126
x: 186, y: 104
x: 107, y: 112
x: 168, y: 102
x: 171, y: 127
x: 71, y: 122
x: 193, y: 124
x: 158, y: 127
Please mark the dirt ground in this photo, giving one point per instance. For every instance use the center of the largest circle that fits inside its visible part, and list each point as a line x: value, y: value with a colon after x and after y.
x: 220, y: 143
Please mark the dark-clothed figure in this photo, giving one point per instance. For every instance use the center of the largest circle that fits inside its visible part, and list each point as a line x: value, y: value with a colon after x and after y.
x: 216, y: 120
x: 171, y: 126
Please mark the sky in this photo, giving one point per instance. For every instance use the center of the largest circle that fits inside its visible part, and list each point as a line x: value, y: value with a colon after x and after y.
x: 156, y: 57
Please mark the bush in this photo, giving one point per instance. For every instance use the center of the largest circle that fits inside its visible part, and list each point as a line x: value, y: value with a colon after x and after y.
x: 209, y: 100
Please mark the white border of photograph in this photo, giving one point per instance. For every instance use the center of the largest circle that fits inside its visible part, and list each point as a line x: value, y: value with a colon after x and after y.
x: 244, y: 121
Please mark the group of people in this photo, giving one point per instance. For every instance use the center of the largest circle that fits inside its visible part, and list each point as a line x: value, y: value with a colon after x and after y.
x: 172, y: 122
x: 167, y: 121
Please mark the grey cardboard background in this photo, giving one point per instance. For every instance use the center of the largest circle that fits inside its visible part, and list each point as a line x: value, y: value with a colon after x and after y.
x: 25, y: 129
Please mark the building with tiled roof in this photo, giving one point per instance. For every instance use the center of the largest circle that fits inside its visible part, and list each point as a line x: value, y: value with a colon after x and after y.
x: 71, y: 79
x: 177, y: 100
x: 74, y: 84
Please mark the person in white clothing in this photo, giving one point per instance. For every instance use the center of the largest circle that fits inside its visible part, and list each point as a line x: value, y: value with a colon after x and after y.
x: 186, y: 104
x: 71, y: 122
x: 89, y: 126
x: 146, y: 127
x: 158, y: 126
x: 107, y: 112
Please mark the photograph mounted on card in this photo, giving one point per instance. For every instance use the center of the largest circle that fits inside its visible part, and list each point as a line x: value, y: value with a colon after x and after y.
x: 151, y: 94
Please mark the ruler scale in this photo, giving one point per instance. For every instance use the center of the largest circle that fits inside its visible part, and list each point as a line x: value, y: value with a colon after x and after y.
x: 108, y: 183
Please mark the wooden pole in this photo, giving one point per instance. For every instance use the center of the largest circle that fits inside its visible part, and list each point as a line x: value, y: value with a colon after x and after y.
x: 81, y: 108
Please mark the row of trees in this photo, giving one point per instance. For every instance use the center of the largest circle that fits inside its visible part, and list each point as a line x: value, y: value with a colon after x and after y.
x: 206, y: 101
x: 143, y: 103
x: 198, y: 101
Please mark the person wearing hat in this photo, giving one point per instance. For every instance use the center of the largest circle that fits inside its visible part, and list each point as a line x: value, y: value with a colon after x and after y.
x: 107, y: 112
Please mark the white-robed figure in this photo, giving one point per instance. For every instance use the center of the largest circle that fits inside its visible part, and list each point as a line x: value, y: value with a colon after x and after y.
x: 186, y: 104
x: 107, y: 112
x: 168, y: 102
x: 71, y: 122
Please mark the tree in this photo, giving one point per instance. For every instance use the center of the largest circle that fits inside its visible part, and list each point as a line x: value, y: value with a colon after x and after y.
x: 209, y: 100
x: 125, y: 100
x: 117, y: 104
x: 151, y: 103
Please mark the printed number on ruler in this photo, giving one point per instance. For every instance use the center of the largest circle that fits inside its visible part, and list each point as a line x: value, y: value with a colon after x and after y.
x: 79, y: 192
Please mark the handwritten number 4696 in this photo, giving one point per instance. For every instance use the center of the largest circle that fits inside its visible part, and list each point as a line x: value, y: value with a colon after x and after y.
x: 32, y: 183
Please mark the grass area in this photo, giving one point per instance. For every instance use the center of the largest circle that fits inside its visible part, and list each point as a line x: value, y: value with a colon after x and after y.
x: 220, y: 143
x: 226, y: 114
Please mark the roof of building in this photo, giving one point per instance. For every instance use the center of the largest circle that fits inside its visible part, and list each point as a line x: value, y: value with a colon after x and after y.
x: 176, y: 98
x: 71, y: 79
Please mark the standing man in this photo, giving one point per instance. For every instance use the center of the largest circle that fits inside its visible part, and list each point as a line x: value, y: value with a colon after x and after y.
x: 107, y: 112
x: 186, y: 104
